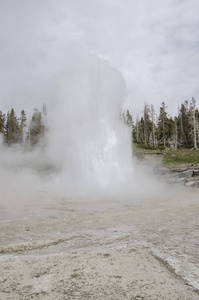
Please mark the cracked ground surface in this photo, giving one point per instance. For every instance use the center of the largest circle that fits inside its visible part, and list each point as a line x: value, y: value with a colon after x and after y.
x: 102, y: 249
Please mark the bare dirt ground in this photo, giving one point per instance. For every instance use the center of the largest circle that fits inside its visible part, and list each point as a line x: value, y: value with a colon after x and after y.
x: 101, y: 249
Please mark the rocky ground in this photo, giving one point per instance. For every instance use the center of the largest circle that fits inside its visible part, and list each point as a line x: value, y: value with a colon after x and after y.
x: 103, y: 273
x: 186, y: 175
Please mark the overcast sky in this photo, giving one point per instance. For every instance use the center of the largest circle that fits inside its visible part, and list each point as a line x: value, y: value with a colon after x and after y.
x: 155, y: 44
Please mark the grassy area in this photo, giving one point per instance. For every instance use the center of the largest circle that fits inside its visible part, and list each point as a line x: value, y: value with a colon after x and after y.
x: 181, y: 157
x: 170, y: 158
x: 140, y: 150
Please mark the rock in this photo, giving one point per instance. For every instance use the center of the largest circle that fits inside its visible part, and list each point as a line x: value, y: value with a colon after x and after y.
x: 178, y: 170
x: 185, y: 174
x: 182, y: 180
x: 190, y: 183
x: 27, y: 229
x: 195, y: 173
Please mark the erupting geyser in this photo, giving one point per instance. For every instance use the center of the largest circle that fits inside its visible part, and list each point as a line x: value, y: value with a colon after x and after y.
x: 89, y: 143
x: 88, y: 147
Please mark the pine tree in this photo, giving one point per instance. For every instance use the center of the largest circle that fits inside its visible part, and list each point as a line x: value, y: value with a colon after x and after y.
x: 7, y: 126
x: 163, y: 127
x: 175, y: 138
x: 35, y: 128
x: 12, y: 128
x: 129, y: 119
x: 184, y: 124
x: 147, y: 123
x: 141, y: 135
x: 2, y: 122
x: 197, y: 123
x: 137, y: 130
x: 22, y: 125
x: 44, y: 119
x: 171, y: 136
x: 193, y: 123
x: 153, y: 126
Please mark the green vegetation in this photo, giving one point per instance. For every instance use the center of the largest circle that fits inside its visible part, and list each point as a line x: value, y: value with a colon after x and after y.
x: 140, y: 150
x: 181, y: 157
x: 161, y: 130
x: 174, y: 141
x: 13, y: 129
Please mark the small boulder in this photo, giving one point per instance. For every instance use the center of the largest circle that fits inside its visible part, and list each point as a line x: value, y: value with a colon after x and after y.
x: 195, y: 173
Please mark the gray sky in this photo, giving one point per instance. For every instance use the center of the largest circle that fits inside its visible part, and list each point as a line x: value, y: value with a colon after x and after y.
x: 155, y: 44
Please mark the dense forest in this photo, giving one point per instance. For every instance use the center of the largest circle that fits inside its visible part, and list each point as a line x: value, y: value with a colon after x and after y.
x: 16, y: 130
x: 164, y: 131
x: 151, y: 130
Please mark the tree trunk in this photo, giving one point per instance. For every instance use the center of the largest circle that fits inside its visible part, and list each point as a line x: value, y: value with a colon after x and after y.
x: 194, y: 129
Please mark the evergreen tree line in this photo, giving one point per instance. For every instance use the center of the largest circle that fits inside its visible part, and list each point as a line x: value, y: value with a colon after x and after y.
x: 154, y: 130
x: 16, y: 130
x: 150, y: 130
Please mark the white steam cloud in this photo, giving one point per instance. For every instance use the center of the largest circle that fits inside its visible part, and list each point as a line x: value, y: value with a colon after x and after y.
x: 88, y: 141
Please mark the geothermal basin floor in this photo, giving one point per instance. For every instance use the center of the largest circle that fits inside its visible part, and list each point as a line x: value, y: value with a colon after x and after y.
x: 101, y: 249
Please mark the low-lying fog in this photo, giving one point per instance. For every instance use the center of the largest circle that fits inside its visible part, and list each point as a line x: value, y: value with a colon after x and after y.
x: 87, y: 150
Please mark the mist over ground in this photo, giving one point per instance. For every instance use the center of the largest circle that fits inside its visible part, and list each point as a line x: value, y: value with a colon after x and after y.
x: 87, y: 150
